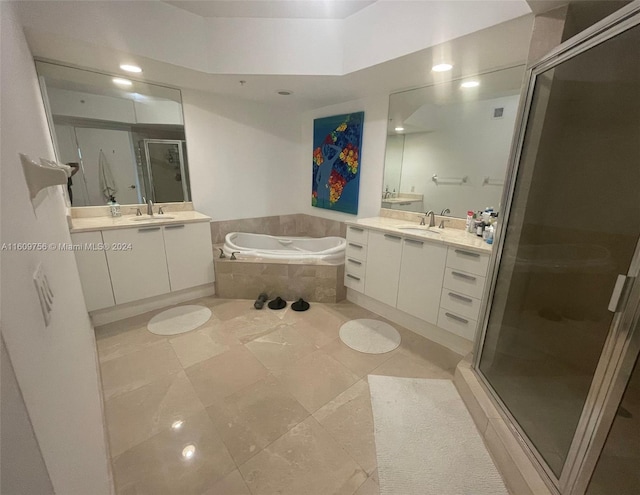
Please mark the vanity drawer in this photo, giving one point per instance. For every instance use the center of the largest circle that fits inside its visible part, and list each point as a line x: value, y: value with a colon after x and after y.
x: 356, y: 250
x: 355, y: 282
x: 454, y: 323
x: 463, y: 282
x: 461, y: 304
x: 357, y: 234
x: 468, y: 261
x: 354, y: 267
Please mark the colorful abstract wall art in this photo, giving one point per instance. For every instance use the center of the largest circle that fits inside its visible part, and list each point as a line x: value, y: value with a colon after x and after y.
x: 337, y: 145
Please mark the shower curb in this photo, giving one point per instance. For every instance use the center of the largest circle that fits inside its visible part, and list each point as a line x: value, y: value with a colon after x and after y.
x: 509, y: 456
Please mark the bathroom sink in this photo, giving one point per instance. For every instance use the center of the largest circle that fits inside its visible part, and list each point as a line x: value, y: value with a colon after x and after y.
x: 418, y: 229
x: 152, y: 219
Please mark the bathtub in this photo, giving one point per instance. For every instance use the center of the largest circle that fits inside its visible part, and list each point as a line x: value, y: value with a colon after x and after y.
x: 329, y: 250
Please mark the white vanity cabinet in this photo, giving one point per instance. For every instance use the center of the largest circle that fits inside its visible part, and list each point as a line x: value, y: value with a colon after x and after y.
x: 421, y: 273
x: 355, y: 263
x: 141, y: 271
x: 463, y: 287
x: 384, y: 254
x: 93, y: 269
x: 189, y: 254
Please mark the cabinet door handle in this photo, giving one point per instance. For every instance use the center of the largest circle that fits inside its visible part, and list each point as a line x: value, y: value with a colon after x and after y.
x: 405, y: 204
x: 353, y: 277
x: 357, y: 246
x: 180, y: 226
x: 148, y: 229
x: 463, y: 275
x: 413, y: 241
x: 467, y: 253
x: 462, y: 298
x: 355, y: 262
x: 357, y: 229
x: 394, y: 237
x: 457, y: 318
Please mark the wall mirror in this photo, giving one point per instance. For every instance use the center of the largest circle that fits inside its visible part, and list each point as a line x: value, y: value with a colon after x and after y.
x: 126, y: 136
x: 448, y: 144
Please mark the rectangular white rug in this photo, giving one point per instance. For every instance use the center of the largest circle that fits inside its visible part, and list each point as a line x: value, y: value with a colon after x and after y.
x: 426, y: 441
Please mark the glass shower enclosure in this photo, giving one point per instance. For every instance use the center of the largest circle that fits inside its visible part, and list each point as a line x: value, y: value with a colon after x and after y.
x: 165, y: 171
x: 559, y: 345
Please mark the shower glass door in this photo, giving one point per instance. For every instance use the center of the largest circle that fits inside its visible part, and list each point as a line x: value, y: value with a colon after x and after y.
x: 166, y: 170
x: 572, y: 229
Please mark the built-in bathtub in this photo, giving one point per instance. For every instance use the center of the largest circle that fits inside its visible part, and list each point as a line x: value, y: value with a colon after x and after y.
x: 327, y: 249
x: 289, y: 267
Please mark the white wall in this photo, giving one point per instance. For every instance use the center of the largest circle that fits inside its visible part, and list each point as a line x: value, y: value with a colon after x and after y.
x: 243, y: 156
x: 466, y: 142
x: 374, y: 136
x: 55, y: 366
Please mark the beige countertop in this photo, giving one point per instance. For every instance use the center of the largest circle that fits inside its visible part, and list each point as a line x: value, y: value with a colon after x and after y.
x: 449, y: 236
x: 87, y: 224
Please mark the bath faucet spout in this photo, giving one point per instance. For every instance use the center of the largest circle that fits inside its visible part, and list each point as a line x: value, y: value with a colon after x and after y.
x: 432, y: 220
x: 150, y: 208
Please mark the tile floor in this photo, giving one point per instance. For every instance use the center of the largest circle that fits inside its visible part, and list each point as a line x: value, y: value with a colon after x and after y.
x: 252, y: 403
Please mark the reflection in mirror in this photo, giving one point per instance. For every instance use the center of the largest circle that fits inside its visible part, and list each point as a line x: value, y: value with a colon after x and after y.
x: 448, y: 145
x: 126, y: 136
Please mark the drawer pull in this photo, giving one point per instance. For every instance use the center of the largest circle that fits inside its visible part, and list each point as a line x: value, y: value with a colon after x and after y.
x: 413, y: 241
x: 457, y: 318
x: 181, y: 226
x: 394, y: 237
x: 357, y: 229
x: 355, y: 262
x: 358, y: 246
x: 405, y: 204
x: 353, y: 277
x: 148, y: 229
x: 467, y: 253
x: 462, y: 298
x: 463, y: 275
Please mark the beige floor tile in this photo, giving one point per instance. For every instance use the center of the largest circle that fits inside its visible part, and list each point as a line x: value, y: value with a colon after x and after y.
x: 281, y: 347
x: 369, y: 487
x: 417, y: 346
x: 319, y: 333
x: 306, y: 460
x: 349, y: 420
x: 407, y: 366
x: 161, y: 465
x: 346, y: 311
x: 226, y: 374
x: 135, y: 369
x: 316, y: 379
x: 360, y: 363
x: 231, y: 484
x: 227, y: 309
x: 248, y: 327
x: 252, y: 418
x: 199, y: 345
x: 124, y: 337
x: 135, y: 416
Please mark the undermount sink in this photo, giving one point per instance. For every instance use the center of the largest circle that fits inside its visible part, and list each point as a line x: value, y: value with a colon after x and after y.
x: 152, y: 219
x: 418, y: 229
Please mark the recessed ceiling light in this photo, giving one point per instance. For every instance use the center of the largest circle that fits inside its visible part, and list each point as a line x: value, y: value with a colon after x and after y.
x: 176, y: 425
x: 189, y: 451
x: 130, y: 68
x: 441, y: 67
x: 399, y: 129
x: 285, y: 92
x: 122, y: 82
x: 470, y: 84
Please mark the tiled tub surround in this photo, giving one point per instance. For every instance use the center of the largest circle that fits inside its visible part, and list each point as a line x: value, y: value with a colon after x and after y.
x: 273, y: 401
x: 246, y: 278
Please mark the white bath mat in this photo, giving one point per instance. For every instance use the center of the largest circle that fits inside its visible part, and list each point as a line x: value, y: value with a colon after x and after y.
x: 180, y: 319
x: 370, y: 336
x: 426, y: 441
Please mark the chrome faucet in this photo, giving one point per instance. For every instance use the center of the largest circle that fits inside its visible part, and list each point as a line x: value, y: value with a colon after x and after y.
x: 150, y: 208
x: 432, y: 220
x: 444, y: 212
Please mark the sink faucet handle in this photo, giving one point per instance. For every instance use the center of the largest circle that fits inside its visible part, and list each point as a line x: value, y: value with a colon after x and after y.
x: 160, y: 211
x: 138, y: 212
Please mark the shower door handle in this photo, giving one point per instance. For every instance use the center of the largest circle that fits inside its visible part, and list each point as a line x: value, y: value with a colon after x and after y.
x: 619, y: 293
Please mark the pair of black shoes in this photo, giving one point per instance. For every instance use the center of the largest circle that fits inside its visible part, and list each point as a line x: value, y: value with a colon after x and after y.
x: 279, y: 303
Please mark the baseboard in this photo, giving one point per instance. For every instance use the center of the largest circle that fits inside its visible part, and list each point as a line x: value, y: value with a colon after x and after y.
x: 122, y: 311
x: 427, y: 330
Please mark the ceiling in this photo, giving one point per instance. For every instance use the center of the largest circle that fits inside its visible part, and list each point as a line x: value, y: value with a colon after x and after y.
x: 274, y: 9
x: 471, y: 54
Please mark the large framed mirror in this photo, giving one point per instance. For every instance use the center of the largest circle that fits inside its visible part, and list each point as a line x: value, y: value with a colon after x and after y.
x: 126, y: 136
x: 448, y: 144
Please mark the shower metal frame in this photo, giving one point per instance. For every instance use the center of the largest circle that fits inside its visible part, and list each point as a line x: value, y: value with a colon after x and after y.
x: 622, y: 344
x: 178, y: 143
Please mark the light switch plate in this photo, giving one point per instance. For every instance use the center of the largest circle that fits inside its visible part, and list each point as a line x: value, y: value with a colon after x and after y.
x: 45, y: 294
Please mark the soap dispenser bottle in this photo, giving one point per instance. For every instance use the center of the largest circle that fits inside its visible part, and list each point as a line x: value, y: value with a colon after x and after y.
x: 114, y: 207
